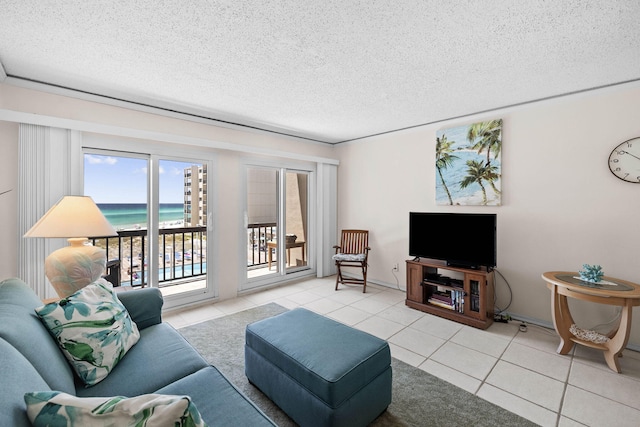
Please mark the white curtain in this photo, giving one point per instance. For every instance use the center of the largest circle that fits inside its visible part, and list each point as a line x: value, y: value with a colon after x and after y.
x: 327, y: 219
x: 46, y: 168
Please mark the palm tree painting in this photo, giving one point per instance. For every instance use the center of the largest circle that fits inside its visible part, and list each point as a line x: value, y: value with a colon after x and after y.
x: 468, y: 164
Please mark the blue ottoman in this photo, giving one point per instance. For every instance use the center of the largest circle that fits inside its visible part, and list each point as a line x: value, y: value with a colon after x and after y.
x: 319, y: 371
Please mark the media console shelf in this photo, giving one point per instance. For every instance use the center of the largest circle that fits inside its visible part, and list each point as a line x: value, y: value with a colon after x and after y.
x: 467, y: 299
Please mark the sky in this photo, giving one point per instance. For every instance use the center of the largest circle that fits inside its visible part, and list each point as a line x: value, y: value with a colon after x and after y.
x: 114, y: 179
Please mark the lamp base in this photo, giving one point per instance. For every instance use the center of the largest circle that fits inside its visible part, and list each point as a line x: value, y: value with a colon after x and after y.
x: 73, y: 267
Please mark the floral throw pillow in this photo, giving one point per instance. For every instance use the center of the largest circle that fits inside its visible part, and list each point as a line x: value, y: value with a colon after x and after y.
x: 93, y: 329
x: 57, y: 409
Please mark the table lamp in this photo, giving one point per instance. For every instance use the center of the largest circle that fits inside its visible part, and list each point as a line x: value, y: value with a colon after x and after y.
x: 74, y: 267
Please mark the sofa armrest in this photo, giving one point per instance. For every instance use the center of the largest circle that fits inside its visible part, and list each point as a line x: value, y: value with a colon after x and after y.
x: 144, y: 306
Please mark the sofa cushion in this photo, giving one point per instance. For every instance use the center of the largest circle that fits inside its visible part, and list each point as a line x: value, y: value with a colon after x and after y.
x: 48, y: 408
x: 21, y: 328
x: 17, y: 377
x: 92, y: 328
x: 160, y: 357
x: 144, y: 305
x: 218, y: 400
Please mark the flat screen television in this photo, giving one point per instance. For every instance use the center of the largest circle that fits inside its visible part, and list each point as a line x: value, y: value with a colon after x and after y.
x: 461, y: 239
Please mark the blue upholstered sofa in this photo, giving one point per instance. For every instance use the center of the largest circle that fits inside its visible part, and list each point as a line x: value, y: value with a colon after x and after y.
x: 162, y: 361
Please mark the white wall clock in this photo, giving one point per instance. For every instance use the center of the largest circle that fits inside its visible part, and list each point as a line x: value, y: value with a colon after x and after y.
x: 624, y: 161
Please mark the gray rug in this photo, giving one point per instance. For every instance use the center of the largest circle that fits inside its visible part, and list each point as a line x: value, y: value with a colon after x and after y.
x: 419, y: 398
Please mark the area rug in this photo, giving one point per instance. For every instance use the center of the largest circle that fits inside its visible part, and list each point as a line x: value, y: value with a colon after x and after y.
x: 419, y: 398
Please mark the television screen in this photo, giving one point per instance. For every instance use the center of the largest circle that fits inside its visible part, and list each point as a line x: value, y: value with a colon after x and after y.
x: 462, y: 239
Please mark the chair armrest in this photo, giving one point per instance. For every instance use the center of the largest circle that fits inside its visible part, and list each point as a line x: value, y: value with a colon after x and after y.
x: 144, y: 306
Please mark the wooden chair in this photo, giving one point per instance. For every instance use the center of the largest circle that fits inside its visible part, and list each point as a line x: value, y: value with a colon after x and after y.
x: 352, y: 252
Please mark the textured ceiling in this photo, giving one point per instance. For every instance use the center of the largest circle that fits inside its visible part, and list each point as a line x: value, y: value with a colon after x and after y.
x: 326, y: 70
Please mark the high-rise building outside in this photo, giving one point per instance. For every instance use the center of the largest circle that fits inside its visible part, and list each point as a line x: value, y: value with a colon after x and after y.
x: 195, y: 196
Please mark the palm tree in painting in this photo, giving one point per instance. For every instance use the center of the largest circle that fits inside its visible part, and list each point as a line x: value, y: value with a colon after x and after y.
x: 444, y: 159
x: 486, y: 136
x: 479, y: 172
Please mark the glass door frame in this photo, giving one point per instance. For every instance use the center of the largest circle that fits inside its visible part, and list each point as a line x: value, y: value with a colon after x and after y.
x: 282, y: 274
x: 121, y: 147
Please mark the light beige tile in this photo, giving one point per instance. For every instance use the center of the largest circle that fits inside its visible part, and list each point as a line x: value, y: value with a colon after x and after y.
x: 370, y: 305
x: 234, y: 305
x: 323, y: 305
x: 437, y: 326
x: 390, y: 297
x: 504, y: 330
x: 287, y: 303
x: 303, y: 297
x: 266, y: 295
x: 408, y: 357
x: 529, y: 385
x: 481, y: 341
x: 175, y: 320
x: 552, y: 365
x: 452, y: 376
x: 347, y: 296
x: 416, y: 341
x: 349, y: 315
x: 401, y: 314
x: 324, y: 290
x: 201, y: 314
x: 606, y: 383
x: 594, y: 410
x: 568, y: 422
x: 381, y: 328
x: 466, y: 360
x: 532, y: 412
x: 629, y: 362
x: 540, y: 338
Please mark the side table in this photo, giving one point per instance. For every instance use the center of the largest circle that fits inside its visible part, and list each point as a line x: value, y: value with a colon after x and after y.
x: 610, y: 291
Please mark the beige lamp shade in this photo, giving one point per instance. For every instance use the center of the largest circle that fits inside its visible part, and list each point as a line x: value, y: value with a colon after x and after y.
x: 73, y: 267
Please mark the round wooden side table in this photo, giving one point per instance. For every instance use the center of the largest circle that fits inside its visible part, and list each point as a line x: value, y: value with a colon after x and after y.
x: 610, y: 291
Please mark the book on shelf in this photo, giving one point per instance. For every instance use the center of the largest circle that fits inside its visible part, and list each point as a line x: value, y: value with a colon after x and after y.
x: 452, y: 300
x: 441, y: 304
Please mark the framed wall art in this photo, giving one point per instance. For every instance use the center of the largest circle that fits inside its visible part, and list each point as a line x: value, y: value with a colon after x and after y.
x: 468, y: 164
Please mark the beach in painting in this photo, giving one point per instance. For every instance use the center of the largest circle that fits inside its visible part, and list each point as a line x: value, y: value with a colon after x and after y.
x: 457, y: 169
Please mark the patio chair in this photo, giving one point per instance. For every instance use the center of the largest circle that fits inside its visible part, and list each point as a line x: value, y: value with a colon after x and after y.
x: 353, y: 251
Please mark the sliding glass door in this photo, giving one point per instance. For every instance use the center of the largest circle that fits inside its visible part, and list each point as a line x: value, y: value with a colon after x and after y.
x: 277, y: 210
x: 159, y: 208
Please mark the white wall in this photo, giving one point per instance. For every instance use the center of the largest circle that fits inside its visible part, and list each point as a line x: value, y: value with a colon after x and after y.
x: 561, y: 206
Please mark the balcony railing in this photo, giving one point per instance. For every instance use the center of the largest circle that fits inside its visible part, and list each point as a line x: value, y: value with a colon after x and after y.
x: 182, y: 253
x: 258, y: 236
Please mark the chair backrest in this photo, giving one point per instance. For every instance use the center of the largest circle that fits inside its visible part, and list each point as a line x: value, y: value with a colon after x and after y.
x: 354, y: 241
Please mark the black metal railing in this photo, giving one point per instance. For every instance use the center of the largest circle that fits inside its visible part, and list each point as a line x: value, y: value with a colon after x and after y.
x: 182, y: 255
x: 259, y: 234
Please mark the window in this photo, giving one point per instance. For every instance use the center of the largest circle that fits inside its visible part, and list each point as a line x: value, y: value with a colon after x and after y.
x: 162, y: 231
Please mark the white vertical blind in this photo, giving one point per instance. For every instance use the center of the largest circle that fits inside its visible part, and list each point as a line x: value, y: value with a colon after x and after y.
x: 327, y: 223
x: 44, y: 157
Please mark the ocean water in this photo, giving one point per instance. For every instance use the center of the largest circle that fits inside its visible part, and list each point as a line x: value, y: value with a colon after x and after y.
x: 455, y: 173
x: 134, y: 215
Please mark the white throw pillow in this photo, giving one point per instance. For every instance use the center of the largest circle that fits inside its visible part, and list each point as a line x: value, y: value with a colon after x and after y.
x: 93, y: 329
x: 57, y: 409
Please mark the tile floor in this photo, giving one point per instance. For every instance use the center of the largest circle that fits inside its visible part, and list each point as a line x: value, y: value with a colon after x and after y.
x: 519, y: 371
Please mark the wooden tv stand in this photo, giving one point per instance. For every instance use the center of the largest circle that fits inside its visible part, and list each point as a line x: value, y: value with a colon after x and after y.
x: 466, y: 298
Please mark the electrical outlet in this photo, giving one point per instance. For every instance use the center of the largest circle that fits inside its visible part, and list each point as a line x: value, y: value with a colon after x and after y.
x: 395, y: 267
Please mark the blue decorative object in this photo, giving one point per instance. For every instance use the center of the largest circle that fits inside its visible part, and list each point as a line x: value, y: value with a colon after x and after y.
x: 591, y: 273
